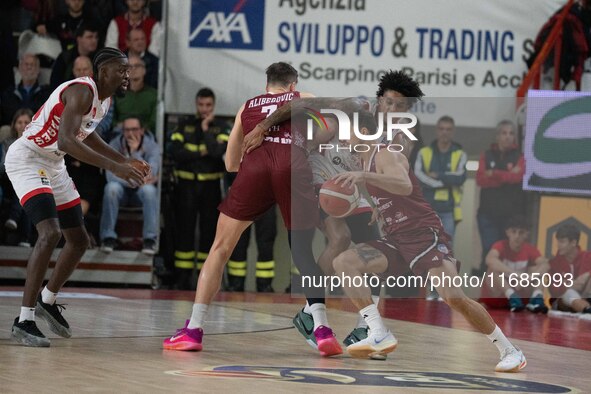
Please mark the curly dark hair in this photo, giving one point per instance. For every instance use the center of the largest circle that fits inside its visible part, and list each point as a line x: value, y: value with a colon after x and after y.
x: 402, y: 83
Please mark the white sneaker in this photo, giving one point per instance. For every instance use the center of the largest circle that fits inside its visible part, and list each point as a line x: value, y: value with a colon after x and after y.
x: 512, y: 360
x: 374, y: 346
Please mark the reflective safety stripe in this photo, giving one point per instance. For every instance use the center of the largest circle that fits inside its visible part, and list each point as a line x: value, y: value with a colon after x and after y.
x: 191, y: 176
x: 199, y: 265
x: 184, y: 264
x: 184, y: 255
x: 177, y: 137
x: 265, y: 265
x: 236, y: 272
x: 237, y: 264
x: 202, y: 255
x: 222, y: 137
x: 265, y: 274
x: 210, y: 176
x: 191, y: 147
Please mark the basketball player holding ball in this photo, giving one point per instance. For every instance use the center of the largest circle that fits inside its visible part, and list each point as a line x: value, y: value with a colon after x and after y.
x: 414, y: 237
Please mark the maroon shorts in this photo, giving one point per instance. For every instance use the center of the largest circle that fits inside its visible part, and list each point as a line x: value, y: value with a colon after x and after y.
x: 272, y: 174
x: 419, y: 250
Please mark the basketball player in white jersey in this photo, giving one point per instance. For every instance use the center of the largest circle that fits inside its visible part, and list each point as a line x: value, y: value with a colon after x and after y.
x: 36, y: 168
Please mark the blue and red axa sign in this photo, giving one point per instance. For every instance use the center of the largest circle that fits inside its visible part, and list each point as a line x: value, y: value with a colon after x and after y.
x: 228, y: 24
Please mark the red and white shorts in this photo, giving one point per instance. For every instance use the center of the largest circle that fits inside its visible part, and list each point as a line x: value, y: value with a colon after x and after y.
x: 32, y: 173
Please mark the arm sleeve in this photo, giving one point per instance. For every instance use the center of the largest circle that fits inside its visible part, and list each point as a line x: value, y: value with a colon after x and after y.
x: 155, y: 39
x: 481, y: 179
x: 112, y: 35
x: 426, y: 180
x: 512, y: 177
x: 177, y: 149
x: 458, y: 177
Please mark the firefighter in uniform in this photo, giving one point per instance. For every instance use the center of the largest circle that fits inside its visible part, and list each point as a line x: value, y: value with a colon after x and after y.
x: 197, y: 148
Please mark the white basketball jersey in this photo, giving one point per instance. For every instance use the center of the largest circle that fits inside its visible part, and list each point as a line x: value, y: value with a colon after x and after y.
x: 42, y: 133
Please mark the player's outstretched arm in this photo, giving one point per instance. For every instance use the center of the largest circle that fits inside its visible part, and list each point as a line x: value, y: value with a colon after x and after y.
x: 77, y: 101
x: 98, y: 145
x: 255, y: 138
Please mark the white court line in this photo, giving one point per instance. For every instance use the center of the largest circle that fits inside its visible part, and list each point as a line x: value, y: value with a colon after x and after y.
x: 88, y: 296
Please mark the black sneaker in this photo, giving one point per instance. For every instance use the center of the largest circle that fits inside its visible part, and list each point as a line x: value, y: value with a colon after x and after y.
x: 27, y: 333
x: 149, y: 248
x: 53, y: 316
x: 108, y: 245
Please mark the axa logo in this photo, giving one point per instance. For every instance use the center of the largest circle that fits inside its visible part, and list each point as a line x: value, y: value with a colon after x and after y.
x: 228, y: 24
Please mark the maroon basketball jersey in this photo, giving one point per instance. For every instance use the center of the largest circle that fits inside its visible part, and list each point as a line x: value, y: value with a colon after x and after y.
x: 258, y: 108
x: 402, y: 213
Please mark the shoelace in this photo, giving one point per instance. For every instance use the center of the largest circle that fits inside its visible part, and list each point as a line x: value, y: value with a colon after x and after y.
x: 60, y: 307
x: 31, y: 326
x: 507, y: 351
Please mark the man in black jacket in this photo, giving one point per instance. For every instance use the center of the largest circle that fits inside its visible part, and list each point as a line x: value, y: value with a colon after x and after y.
x: 197, y: 147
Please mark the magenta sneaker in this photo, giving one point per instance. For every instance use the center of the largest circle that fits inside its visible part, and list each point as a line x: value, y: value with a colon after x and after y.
x: 327, y: 343
x: 185, y: 339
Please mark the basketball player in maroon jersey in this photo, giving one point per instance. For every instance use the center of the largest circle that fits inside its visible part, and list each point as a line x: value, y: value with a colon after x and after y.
x: 268, y: 175
x: 65, y: 124
x: 414, y: 237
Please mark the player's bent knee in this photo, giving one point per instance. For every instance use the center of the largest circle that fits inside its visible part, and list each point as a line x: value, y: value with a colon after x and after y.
x: 344, y: 262
x: 49, y: 236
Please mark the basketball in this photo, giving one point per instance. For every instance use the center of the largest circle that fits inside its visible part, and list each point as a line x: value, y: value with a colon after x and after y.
x: 338, y: 201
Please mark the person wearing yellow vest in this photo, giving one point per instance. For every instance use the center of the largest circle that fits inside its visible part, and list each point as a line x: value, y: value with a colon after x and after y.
x: 197, y: 147
x: 441, y: 169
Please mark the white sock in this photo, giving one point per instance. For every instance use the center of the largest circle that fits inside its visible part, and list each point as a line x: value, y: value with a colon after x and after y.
x: 537, y: 293
x: 499, y: 340
x: 48, y: 296
x: 307, y: 309
x: 198, y: 316
x: 373, y: 319
x: 509, y: 292
x: 361, y: 323
x: 26, y: 314
x: 318, y: 312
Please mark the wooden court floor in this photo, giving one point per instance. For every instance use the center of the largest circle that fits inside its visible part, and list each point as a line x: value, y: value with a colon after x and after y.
x: 252, y: 347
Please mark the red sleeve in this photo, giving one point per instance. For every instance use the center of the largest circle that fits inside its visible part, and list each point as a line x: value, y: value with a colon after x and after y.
x: 532, y: 253
x: 481, y: 179
x: 512, y: 177
x: 585, y: 265
x: 499, y: 246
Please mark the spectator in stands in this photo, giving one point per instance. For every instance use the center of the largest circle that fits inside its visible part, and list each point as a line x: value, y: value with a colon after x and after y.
x: 82, y: 67
x: 136, y: 46
x: 64, y: 26
x: 571, y: 260
x: 140, y: 145
x: 140, y: 99
x: 509, y: 259
x: 135, y: 17
x: 28, y: 93
x: 86, y: 45
x: 500, y: 173
x: 441, y: 169
x: 8, y: 47
x: 197, y: 147
x: 17, y: 218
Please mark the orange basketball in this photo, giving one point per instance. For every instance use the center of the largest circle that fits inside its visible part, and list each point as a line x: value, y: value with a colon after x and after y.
x: 338, y: 201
